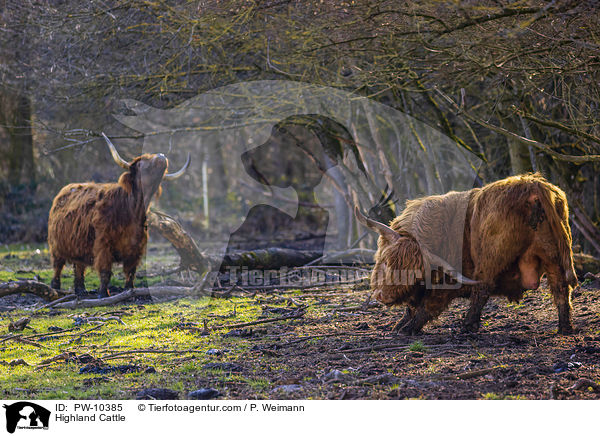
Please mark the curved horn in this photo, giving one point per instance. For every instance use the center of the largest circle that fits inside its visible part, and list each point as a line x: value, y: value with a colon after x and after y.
x: 441, y: 262
x: 180, y: 172
x: 115, y: 154
x: 381, y: 228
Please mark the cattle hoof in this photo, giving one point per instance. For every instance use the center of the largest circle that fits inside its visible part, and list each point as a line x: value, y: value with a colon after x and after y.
x: 398, y: 327
x: 565, y: 330
x: 470, y: 327
x: 409, y: 330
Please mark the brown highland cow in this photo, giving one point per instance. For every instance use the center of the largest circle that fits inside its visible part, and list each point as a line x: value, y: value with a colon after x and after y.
x: 502, y: 237
x: 96, y: 224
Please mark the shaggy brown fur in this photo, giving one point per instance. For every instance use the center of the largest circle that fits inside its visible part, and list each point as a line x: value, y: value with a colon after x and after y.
x: 504, y: 235
x: 101, y: 223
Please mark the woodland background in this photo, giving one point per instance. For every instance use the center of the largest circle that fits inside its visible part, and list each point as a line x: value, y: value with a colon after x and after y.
x: 515, y: 82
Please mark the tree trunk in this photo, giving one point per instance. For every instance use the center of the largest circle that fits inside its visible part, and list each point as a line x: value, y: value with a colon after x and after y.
x: 15, y: 116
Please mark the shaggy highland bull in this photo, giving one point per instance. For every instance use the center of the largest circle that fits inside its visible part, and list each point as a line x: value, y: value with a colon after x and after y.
x: 97, y: 224
x: 502, y: 237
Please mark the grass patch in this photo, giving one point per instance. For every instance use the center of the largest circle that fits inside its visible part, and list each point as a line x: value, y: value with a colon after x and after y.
x: 417, y: 346
x: 494, y: 396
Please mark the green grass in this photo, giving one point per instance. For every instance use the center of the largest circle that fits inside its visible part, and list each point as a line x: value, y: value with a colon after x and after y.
x: 150, y: 326
x: 19, y: 261
x: 146, y: 327
x: 494, y: 396
x: 417, y: 346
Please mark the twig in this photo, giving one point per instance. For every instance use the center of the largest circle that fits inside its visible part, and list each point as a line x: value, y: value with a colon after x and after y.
x: 55, y: 302
x: 298, y: 314
x: 471, y: 374
x: 45, y: 335
x: 340, y: 255
x: 148, y: 351
x: 539, y: 145
x: 130, y: 293
x: 80, y: 335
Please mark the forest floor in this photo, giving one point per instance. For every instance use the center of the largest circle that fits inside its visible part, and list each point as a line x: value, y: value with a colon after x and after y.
x: 292, y: 344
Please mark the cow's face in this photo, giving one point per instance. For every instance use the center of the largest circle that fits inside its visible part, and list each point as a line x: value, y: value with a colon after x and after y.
x: 148, y: 171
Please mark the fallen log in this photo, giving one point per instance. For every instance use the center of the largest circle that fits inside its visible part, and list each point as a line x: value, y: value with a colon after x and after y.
x: 161, y: 291
x: 268, y: 258
x: 191, y: 257
x: 29, y: 286
x: 585, y: 263
x: 261, y: 259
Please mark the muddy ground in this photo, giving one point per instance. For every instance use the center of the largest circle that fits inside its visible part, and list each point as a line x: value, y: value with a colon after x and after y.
x: 516, y: 355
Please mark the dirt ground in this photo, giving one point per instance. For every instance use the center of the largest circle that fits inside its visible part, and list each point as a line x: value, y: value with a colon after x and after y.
x: 517, y: 353
x: 332, y: 347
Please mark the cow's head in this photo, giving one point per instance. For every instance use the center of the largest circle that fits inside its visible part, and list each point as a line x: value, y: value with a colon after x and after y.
x: 144, y: 173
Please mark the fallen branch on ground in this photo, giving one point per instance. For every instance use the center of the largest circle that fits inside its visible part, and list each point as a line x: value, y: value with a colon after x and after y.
x: 148, y: 351
x: 471, y: 374
x: 126, y: 295
x: 295, y: 315
x: 584, y: 384
x: 29, y: 286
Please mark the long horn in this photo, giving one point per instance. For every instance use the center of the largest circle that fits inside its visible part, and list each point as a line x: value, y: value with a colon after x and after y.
x: 447, y: 267
x: 381, y: 228
x: 179, y: 173
x: 115, y: 154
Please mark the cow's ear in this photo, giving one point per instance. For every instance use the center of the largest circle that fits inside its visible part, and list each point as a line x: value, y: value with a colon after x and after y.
x: 536, y: 212
x: 126, y: 181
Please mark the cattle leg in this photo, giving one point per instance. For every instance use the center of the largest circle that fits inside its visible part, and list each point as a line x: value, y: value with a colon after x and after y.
x: 430, y: 307
x: 479, y: 297
x: 129, y: 268
x: 561, y: 294
x: 103, y: 264
x: 58, y: 265
x: 562, y: 300
x: 104, y: 281
x: 79, y: 282
x: 407, y: 316
x: 419, y: 318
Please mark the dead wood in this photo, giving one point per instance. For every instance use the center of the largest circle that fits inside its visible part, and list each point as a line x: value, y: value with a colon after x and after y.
x: 282, y: 287
x: 386, y: 347
x: 55, y: 302
x: 585, y: 262
x: 190, y: 255
x: 29, y: 286
x: 148, y: 351
x: 583, y: 384
x: 21, y: 339
x: 297, y: 314
x: 79, y: 336
x: 267, y: 258
x: 19, y: 325
x: 130, y: 293
x: 471, y: 374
